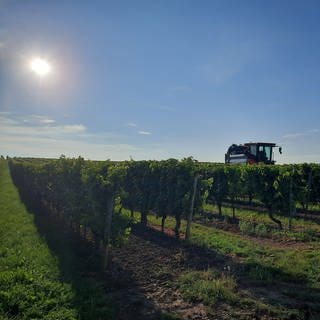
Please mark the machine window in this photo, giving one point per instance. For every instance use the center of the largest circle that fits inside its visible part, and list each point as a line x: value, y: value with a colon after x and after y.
x: 268, y: 152
x: 253, y: 149
x: 262, y: 154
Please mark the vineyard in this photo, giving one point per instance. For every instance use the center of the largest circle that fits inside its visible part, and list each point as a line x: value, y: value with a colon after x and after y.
x: 180, y: 239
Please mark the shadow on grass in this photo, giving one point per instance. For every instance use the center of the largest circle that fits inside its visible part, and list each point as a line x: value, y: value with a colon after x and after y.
x: 196, y: 257
x: 301, y: 215
x: 97, y: 295
x: 309, y: 216
x: 272, y: 286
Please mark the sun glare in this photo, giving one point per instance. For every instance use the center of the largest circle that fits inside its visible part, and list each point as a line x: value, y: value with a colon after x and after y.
x: 40, y: 67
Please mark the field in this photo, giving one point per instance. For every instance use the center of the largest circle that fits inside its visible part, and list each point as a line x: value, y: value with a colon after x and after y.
x: 39, y: 270
x: 271, y: 277
x: 29, y: 273
x: 237, y: 263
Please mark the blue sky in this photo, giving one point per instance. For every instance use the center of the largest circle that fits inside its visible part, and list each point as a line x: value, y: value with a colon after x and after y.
x: 160, y: 79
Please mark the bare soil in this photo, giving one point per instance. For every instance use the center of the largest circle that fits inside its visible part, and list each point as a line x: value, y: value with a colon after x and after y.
x: 142, y: 278
x: 144, y: 272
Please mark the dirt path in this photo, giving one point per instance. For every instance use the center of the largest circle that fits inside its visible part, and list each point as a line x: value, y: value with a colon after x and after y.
x: 144, y: 271
x: 143, y: 274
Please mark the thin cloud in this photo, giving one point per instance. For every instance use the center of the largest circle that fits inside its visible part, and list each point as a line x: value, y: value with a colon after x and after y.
x: 74, y: 128
x: 134, y: 125
x: 300, y: 134
x: 43, y: 138
x: 131, y: 124
x: 37, y: 119
x: 146, y: 133
x: 4, y: 120
x: 36, y: 126
x: 48, y: 121
x: 294, y: 135
x: 42, y: 130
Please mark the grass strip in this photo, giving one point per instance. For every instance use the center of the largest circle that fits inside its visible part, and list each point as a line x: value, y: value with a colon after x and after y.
x: 29, y: 275
x: 259, y: 262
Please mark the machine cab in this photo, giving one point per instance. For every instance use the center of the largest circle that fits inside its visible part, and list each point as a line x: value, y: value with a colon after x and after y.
x: 252, y: 152
x: 261, y: 152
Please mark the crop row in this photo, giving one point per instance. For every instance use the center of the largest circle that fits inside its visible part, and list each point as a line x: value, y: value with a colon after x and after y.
x: 85, y: 193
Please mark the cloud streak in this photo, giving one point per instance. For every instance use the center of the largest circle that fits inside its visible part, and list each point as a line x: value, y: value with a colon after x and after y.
x: 15, y: 129
x: 131, y: 124
x: 145, y: 133
x: 73, y: 128
x: 41, y: 136
x: 141, y: 132
x: 300, y: 134
x: 48, y: 121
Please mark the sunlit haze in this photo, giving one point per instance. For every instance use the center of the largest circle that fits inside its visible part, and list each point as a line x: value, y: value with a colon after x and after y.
x: 40, y: 67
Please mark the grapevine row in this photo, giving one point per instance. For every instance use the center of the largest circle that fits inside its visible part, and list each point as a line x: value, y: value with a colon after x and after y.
x: 84, y: 194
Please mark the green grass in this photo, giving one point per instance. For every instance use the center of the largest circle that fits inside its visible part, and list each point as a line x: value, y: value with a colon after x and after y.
x: 290, y: 273
x: 212, y: 288
x: 297, y: 265
x: 264, y: 230
x: 29, y: 275
x: 45, y: 272
x: 298, y: 225
x: 208, y: 287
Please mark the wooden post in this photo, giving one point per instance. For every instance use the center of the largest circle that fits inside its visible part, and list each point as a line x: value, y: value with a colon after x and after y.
x: 290, y: 204
x: 308, y: 190
x: 107, y: 233
x: 189, y: 221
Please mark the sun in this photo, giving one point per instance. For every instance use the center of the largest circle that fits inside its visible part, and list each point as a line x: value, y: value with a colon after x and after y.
x: 40, y: 67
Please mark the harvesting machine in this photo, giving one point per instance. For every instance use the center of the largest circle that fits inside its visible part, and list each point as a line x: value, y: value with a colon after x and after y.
x: 251, y: 152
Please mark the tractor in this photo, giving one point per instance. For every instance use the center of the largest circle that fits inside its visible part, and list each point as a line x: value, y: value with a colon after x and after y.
x: 251, y: 153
